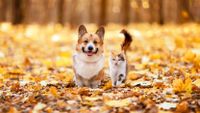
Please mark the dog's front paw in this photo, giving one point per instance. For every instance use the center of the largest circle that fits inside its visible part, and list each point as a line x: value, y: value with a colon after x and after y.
x: 95, y: 84
x: 78, y: 82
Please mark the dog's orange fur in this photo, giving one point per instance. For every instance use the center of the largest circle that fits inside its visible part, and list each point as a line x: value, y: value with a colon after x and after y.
x: 90, y: 37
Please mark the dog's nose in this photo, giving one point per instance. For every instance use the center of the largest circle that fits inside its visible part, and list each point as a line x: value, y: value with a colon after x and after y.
x: 90, y: 48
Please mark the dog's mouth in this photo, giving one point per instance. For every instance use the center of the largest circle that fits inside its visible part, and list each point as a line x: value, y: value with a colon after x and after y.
x: 90, y: 53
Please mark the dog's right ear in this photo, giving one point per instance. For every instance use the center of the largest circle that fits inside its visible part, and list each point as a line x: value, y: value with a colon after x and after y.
x: 81, y: 30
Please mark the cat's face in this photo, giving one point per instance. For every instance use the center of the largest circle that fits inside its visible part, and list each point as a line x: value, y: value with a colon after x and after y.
x: 117, y: 58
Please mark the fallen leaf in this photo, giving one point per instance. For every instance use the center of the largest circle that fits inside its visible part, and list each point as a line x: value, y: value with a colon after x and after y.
x: 38, y: 107
x: 133, y: 76
x: 118, y: 103
x: 108, y: 85
x: 167, y: 106
x: 144, y: 84
x: 197, y: 83
x: 13, y: 110
x: 182, y: 107
x: 53, y: 90
x: 180, y: 85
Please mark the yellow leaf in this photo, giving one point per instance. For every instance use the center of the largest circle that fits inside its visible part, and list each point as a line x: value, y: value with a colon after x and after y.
x: 63, y: 61
x: 118, y: 103
x: 108, y: 85
x: 155, y: 56
x: 188, y: 85
x: 182, y: 86
x: 132, y: 75
x: 2, y: 70
x: 70, y: 76
x: 93, y: 98
x: 179, y: 42
x: 47, y: 62
x: 197, y: 82
x: 197, y: 61
x: 66, y: 54
x: 177, y: 85
x: 189, y: 56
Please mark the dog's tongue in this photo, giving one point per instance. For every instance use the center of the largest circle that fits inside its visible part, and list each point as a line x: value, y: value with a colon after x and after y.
x: 89, y: 53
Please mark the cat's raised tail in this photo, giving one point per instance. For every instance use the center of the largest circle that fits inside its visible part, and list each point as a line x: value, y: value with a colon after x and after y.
x: 127, y: 40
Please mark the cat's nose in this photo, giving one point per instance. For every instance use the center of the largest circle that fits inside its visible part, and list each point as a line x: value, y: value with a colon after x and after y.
x: 90, y: 48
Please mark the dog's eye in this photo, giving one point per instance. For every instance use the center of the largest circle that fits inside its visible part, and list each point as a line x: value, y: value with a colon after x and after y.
x: 95, y: 42
x: 113, y: 59
x: 85, y: 41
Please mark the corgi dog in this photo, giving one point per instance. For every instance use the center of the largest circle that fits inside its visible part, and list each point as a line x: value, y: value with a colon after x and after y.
x: 88, y: 62
x: 118, y: 64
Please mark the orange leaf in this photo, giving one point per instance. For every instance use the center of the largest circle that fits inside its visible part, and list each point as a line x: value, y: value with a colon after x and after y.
x: 53, y: 90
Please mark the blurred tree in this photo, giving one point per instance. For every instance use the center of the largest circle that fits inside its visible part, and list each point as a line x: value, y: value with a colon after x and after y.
x: 34, y: 11
x: 194, y: 6
x: 52, y: 11
x: 170, y: 11
x: 18, y: 11
x: 2, y: 10
x: 97, y: 11
x: 125, y: 8
x: 6, y: 10
x: 155, y: 8
x: 101, y: 12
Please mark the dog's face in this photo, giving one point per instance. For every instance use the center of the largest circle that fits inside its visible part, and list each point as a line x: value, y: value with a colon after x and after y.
x: 90, y: 45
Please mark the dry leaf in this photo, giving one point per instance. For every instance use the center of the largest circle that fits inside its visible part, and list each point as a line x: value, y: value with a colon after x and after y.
x: 53, y: 90
x: 182, y: 86
x: 13, y: 110
x: 108, y: 85
x: 182, y: 107
x: 167, y: 106
x: 38, y: 107
x: 197, y: 82
x: 118, y: 103
x: 133, y: 76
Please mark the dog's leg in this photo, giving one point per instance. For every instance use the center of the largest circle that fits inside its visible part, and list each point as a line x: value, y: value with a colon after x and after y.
x: 96, y: 80
x: 78, y: 81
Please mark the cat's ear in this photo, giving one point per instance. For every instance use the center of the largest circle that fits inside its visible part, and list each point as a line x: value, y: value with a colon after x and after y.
x: 111, y: 53
x: 123, y: 53
x: 81, y: 30
x: 100, y: 32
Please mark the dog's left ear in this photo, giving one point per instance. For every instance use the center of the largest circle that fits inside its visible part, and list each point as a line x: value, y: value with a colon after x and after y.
x: 100, y: 32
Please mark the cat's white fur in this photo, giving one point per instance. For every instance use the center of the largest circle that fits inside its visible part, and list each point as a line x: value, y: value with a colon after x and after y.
x: 116, y: 70
x: 88, y: 69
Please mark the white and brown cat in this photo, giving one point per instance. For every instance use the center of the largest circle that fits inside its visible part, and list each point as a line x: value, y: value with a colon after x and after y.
x: 118, y: 64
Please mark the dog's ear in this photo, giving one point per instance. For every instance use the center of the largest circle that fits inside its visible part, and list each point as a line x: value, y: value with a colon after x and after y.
x: 100, y: 32
x: 81, y: 30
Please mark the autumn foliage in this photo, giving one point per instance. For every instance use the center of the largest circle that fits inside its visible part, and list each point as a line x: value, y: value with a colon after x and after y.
x: 36, y: 70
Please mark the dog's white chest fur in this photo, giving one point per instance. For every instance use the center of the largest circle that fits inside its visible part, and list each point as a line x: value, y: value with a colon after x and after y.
x: 85, y: 69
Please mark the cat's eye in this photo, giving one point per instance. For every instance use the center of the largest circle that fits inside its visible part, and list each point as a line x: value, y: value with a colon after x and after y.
x: 113, y: 59
x: 85, y: 41
x: 95, y: 42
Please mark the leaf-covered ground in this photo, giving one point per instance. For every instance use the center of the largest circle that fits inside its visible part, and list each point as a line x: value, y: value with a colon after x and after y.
x: 36, y: 74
